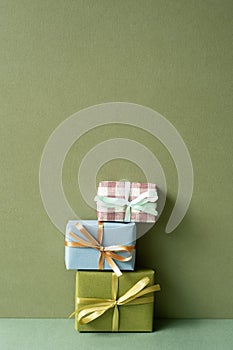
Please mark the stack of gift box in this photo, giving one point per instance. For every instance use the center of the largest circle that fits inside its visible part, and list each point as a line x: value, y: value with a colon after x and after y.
x: 110, y: 296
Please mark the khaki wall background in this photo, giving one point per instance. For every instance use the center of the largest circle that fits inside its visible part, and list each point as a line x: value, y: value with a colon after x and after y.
x: 58, y: 57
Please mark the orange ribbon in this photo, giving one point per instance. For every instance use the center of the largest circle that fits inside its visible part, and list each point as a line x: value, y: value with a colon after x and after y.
x: 105, y: 252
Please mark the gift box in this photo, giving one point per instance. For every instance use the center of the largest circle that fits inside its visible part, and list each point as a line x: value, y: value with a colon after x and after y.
x: 125, y: 201
x: 106, y: 303
x: 92, y: 245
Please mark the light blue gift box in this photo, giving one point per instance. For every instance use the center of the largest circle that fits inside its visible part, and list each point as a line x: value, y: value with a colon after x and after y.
x: 114, y: 233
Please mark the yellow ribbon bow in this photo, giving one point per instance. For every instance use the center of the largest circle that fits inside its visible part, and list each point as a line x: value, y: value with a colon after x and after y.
x: 105, y: 252
x: 97, y: 307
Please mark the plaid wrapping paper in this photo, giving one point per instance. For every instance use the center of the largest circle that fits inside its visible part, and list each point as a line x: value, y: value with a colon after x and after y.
x: 116, y: 189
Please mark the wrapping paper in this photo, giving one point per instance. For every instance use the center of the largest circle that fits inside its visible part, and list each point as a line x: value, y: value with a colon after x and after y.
x: 132, y: 318
x: 86, y: 258
x: 126, y: 193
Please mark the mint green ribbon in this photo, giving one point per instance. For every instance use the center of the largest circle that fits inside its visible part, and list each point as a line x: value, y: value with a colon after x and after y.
x: 145, y: 202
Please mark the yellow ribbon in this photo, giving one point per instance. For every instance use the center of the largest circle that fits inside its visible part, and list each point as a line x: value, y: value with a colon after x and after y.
x: 105, y: 252
x: 97, y: 307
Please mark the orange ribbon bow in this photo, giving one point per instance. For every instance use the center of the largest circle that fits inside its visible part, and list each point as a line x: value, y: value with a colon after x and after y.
x: 105, y: 252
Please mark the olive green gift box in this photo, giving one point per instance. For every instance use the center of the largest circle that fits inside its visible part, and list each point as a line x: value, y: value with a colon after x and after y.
x: 98, y: 284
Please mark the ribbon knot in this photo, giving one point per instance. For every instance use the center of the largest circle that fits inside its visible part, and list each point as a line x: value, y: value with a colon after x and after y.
x: 105, y: 252
x: 97, y: 307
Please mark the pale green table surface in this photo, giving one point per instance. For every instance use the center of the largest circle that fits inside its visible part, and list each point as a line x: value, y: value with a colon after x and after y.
x: 201, y: 334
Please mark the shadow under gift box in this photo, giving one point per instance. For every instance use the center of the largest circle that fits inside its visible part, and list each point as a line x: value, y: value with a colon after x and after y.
x: 99, y: 285
x: 85, y: 258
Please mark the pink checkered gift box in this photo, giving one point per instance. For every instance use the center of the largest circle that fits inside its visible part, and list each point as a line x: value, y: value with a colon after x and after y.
x: 126, y: 201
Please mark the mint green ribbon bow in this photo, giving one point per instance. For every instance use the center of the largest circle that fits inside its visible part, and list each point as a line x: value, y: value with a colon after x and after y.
x: 145, y: 202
